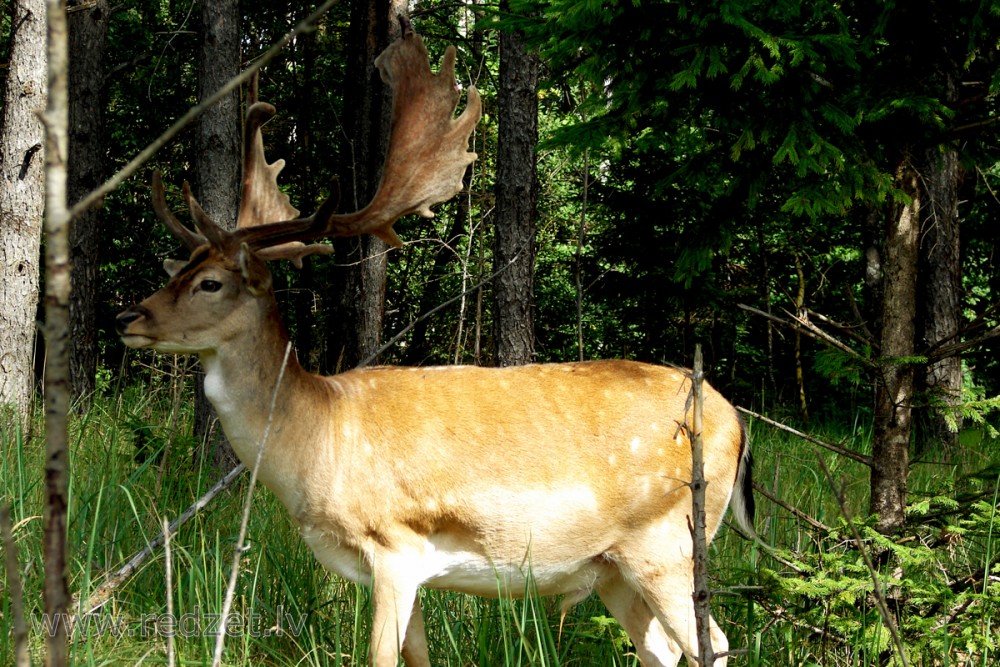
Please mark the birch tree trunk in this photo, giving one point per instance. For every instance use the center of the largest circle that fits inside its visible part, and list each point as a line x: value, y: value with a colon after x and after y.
x: 21, y: 202
x: 57, y: 328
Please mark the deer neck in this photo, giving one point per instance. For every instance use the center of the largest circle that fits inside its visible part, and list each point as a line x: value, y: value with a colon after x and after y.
x: 241, y: 375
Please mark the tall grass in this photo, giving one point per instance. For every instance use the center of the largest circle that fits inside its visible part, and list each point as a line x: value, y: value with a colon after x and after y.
x: 289, y: 611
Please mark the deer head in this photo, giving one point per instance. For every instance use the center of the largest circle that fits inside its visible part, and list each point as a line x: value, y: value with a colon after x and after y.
x: 427, y: 156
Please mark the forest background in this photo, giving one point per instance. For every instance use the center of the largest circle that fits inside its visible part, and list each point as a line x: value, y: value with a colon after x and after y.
x: 806, y: 189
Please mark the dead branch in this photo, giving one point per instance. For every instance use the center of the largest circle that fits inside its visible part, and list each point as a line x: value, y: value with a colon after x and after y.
x: 803, y: 325
x: 227, y: 602
x: 702, y: 595
x: 797, y: 513
x: 837, y: 449
x: 102, y: 593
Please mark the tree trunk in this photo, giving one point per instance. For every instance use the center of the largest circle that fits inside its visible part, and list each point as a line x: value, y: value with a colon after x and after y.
x: 894, y: 389
x: 516, y: 193
x: 21, y: 202
x: 940, y: 298
x: 88, y: 28
x: 218, y: 132
x: 57, y: 332
x: 360, y: 273
x: 308, y: 295
x: 217, y: 171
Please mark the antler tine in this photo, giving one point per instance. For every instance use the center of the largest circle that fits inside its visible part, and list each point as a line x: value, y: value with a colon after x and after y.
x: 190, y: 239
x: 427, y: 155
x: 204, y: 223
x: 262, y: 201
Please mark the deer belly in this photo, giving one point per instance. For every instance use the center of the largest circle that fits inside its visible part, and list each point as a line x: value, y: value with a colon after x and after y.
x: 440, y: 565
x: 475, y: 574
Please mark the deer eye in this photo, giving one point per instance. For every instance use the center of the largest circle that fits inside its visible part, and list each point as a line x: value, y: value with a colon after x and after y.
x: 210, y: 285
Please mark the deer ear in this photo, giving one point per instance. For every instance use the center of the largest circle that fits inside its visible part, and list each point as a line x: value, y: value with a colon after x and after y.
x: 172, y: 266
x: 254, y: 271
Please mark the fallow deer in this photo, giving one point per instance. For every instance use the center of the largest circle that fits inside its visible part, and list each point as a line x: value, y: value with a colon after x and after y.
x: 573, y: 477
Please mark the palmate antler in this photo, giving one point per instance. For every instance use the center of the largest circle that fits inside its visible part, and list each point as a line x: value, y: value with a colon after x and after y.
x: 427, y: 156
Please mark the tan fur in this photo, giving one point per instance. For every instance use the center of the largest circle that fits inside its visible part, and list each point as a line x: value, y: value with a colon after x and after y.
x: 462, y: 478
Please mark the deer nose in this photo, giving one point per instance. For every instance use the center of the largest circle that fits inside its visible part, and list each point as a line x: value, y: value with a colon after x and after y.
x: 129, y: 316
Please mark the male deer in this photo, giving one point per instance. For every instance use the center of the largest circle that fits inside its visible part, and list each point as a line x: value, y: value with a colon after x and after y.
x: 571, y: 476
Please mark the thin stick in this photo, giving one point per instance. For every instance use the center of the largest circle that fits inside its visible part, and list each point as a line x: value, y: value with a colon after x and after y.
x: 803, y: 325
x: 103, y: 592
x: 227, y: 603
x: 797, y: 513
x: 21, y: 657
x: 194, y: 112
x: 854, y: 456
x: 702, y: 595
x: 170, y: 591
x: 880, y: 602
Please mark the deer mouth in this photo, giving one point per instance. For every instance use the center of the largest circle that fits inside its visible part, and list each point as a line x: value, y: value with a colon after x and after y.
x: 136, y: 341
x: 126, y: 320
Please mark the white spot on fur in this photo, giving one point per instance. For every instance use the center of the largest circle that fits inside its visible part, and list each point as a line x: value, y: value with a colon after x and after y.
x: 612, y: 460
x: 635, y: 444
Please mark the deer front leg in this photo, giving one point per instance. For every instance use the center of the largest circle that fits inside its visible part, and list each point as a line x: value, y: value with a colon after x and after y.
x: 415, y: 653
x: 395, y: 616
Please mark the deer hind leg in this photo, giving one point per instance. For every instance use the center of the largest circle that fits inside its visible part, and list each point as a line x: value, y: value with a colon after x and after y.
x: 661, y: 570
x: 653, y: 645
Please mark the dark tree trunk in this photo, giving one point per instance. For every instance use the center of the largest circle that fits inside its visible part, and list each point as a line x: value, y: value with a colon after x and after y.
x: 894, y: 387
x: 88, y: 29
x: 940, y: 299
x: 306, y: 297
x: 217, y: 170
x: 218, y: 132
x: 360, y: 274
x: 516, y: 192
